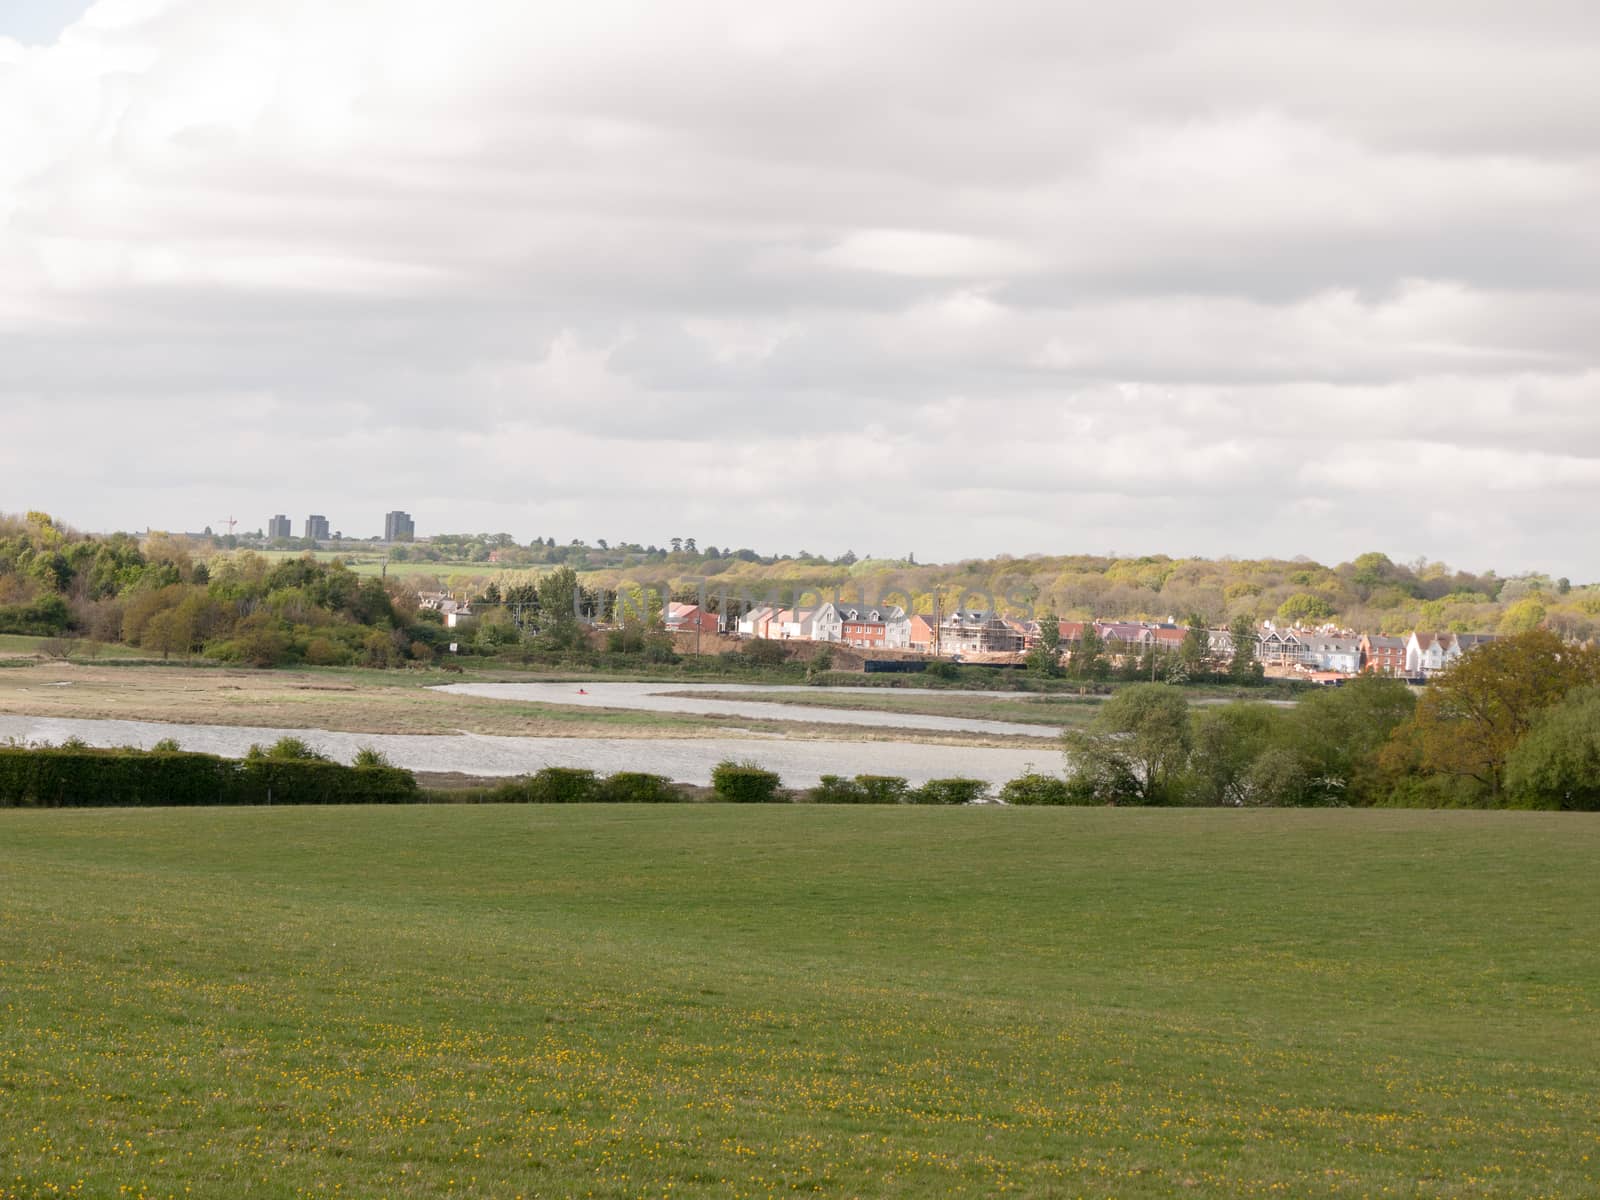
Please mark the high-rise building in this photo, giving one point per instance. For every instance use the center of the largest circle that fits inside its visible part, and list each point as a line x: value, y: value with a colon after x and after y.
x: 278, y: 527
x: 398, y: 527
x: 317, y: 528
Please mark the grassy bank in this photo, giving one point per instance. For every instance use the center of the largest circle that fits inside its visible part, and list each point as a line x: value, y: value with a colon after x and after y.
x: 733, y: 1002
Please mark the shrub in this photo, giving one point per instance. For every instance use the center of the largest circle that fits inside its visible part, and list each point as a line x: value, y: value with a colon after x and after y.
x: 166, y: 746
x: 638, y: 787
x: 562, y: 785
x: 950, y: 791
x: 325, y: 652
x: 836, y: 789
x: 744, y: 783
x: 368, y: 757
x: 883, y: 789
x: 764, y: 652
x: 1036, y: 788
x: 939, y: 669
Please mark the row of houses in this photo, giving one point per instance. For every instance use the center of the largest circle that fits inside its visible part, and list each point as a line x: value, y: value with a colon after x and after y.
x: 982, y: 632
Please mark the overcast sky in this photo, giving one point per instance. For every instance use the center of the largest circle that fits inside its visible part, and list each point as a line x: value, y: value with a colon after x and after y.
x: 946, y: 278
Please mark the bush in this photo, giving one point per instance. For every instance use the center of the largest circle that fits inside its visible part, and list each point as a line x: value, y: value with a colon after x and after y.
x: 48, y: 615
x: 744, y: 783
x: 836, y: 789
x: 764, y: 652
x: 950, y: 791
x: 325, y: 652
x: 939, y: 669
x: 883, y: 789
x: 638, y: 787
x: 56, y: 647
x: 1036, y: 788
x: 368, y: 757
x: 562, y: 785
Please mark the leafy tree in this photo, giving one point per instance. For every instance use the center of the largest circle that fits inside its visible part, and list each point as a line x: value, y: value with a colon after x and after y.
x: 1304, y: 606
x: 1244, y: 668
x: 1557, y: 765
x: 1523, y: 616
x: 1339, y: 734
x: 1226, y: 742
x: 1044, y: 660
x: 1473, y: 716
x: 1278, y: 778
x: 559, y: 627
x: 1089, y: 658
x: 1195, y: 651
x: 1050, y: 632
x: 1136, y: 747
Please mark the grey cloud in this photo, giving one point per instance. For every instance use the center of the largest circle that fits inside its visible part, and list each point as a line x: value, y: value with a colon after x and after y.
x: 1037, y: 277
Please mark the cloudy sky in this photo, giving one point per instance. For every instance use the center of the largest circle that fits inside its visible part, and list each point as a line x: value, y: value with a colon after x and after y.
x: 946, y: 278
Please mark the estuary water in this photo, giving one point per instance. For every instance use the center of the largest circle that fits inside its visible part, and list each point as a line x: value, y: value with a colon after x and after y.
x: 685, y: 760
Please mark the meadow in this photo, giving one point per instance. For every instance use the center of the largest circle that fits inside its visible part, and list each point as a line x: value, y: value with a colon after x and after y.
x: 712, y: 1001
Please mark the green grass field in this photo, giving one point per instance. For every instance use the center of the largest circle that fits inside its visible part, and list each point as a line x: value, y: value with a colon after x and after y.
x: 712, y: 1001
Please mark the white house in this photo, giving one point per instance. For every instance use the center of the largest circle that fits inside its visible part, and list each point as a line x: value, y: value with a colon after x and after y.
x: 1430, y: 653
x: 756, y: 621
x: 1331, y: 652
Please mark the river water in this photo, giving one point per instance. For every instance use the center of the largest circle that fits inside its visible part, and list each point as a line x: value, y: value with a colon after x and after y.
x: 685, y: 760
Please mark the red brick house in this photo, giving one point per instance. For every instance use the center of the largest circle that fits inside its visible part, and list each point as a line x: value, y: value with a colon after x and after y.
x: 1382, y: 655
x: 689, y: 618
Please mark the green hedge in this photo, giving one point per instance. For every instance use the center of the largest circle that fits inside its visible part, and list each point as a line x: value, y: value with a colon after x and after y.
x: 638, y: 787
x: 66, y: 777
x: 950, y: 791
x: 745, y: 783
x: 894, y: 789
x: 1044, y: 789
x: 836, y: 789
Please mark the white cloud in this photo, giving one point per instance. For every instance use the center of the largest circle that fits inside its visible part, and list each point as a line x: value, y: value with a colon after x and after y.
x: 1018, y: 279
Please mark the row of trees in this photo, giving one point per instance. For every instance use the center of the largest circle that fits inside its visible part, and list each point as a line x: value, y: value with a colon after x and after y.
x: 1196, y: 660
x: 153, y: 593
x: 1516, y: 723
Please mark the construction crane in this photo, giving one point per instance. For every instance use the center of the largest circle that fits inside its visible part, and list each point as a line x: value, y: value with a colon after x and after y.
x: 230, y: 522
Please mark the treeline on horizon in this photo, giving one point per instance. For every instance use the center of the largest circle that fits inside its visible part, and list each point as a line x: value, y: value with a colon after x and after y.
x: 239, y: 606
x: 1371, y: 594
